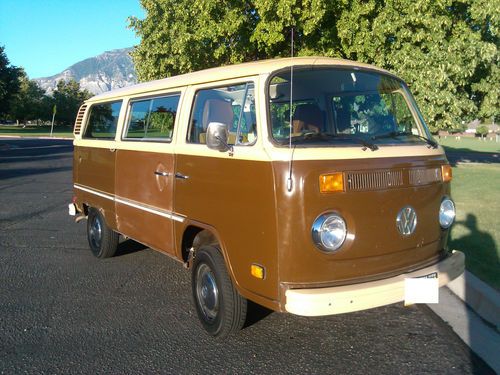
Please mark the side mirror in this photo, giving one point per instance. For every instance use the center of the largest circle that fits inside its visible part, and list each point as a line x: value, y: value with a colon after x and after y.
x: 217, y: 134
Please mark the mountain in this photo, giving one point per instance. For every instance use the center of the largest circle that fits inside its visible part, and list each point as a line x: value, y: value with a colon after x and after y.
x: 110, y: 70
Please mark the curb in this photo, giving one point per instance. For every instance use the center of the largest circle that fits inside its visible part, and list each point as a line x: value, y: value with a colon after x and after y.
x: 474, y: 331
x: 472, y: 309
x: 479, y: 296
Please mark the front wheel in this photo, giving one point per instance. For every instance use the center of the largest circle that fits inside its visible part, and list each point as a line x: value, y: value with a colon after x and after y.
x: 221, y: 309
x: 103, y: 241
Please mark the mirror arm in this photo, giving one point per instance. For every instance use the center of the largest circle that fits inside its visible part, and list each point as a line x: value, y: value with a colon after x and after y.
x: 228, y: 147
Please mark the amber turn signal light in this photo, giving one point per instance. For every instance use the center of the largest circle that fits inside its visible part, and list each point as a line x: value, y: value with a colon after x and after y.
x: 331, y: 183
x: 257, y: 271
x: 446, y: 173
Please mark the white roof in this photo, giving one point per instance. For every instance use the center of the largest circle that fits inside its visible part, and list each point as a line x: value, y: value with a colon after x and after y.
x: 227, y: 72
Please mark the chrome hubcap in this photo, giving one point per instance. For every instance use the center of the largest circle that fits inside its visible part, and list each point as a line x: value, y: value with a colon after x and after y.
x: 96, y: 233
x: 207, y: 292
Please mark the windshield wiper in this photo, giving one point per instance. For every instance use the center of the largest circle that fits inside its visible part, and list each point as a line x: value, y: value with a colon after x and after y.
x: 363, y: 142
x: 430, y: 142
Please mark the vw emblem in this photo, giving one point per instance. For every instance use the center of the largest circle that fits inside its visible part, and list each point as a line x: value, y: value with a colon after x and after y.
x: 406, y: 221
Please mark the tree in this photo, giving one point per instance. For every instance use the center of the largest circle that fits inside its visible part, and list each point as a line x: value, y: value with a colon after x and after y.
x: 67, y: 98
x: 433, y: 45
x: 485, y: 18
x: 482, y: 131
x: 28, y: 103
x: 182, y: 36
x: 9, y: 82
x: 446, y: 50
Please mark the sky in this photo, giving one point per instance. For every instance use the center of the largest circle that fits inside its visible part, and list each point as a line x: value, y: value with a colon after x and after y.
x: 47, y: 36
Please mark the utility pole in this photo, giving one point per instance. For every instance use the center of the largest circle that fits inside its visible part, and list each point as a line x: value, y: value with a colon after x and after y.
x: 54, y: 110
x: 497, y: 131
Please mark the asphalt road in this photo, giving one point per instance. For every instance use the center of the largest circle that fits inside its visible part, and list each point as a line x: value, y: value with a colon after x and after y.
x: 64, y: 311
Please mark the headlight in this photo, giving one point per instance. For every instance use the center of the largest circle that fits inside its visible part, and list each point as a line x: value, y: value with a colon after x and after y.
x: 329, y: 232
x: 446, y: 213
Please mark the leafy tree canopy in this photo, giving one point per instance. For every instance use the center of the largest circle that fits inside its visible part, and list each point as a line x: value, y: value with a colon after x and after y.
x: 446, y: 50
x: 29, y: 103
x: 482, y: 130
x: 9, y: 82
x: 67, y: 98
x: 22, y: 99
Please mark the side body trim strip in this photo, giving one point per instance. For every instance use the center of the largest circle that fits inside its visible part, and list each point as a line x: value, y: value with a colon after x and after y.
x: 95, y: 192
x: 134, y: 204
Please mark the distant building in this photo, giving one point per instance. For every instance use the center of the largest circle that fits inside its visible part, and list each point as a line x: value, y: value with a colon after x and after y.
x: 471, y: 128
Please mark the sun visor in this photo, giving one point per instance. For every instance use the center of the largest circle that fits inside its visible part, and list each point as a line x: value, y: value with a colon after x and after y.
x: 279, y: 91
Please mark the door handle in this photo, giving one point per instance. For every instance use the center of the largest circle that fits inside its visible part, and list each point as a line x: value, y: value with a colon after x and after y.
x: 164, y: 174
x: 112, y: 149
x: 181, y: 176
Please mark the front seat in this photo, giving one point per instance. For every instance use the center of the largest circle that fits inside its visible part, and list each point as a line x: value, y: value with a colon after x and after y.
x: 307, y: 118
x: 216, y: 110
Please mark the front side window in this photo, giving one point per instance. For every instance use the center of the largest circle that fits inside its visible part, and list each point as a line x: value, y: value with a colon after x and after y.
x: 103, y: 120
x: 152, y: 119
x: 231, y: 105
x: 342, y: 106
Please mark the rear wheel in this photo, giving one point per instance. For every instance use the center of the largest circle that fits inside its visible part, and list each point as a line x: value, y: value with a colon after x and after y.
x: 220, y: 307
x: 103, y: 241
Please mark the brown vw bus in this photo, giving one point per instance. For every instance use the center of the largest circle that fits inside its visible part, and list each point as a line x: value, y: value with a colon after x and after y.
x: 307, y: 185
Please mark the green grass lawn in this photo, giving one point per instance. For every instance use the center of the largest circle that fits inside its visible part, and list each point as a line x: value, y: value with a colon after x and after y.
x: 476, y: 232
x: 451, y: 143
x: 36, y: 131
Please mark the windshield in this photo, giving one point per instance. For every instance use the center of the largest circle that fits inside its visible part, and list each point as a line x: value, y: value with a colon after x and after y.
x: 342, y: 107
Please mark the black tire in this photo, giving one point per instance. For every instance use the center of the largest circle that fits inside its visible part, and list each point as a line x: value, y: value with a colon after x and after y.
x: 102, y: 240
x: 221, y: 309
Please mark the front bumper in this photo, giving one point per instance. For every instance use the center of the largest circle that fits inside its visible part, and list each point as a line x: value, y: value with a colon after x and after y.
x: 356, y: 297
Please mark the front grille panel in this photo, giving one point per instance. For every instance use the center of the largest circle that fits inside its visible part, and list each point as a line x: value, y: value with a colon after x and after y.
x: 424, y: 176
x: 374, y: 180
x: 391, y: 178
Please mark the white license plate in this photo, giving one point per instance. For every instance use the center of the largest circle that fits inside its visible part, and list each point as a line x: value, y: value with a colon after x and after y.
x: 71, y: 209
x: 422, y: 289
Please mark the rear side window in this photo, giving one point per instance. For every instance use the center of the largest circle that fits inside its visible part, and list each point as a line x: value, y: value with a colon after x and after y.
x: 152, y: 119
x: 231, y: 105
x: 103, y: 120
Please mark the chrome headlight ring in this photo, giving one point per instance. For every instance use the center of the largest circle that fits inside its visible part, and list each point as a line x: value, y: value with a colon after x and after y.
x: 447, y: 213
x: 329, y: 232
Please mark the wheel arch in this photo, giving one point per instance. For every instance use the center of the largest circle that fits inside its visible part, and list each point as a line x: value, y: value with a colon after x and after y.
x: 196, y: 235
x: 109, y: 217
x: 192, y: 235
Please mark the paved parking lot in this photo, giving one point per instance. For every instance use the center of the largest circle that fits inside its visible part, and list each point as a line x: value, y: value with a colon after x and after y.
x: 63, y: 311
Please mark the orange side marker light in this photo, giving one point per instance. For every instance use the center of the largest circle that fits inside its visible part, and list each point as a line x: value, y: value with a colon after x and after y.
x: 331, y: 182
x: 257, y: 271
x: 446, y: 173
